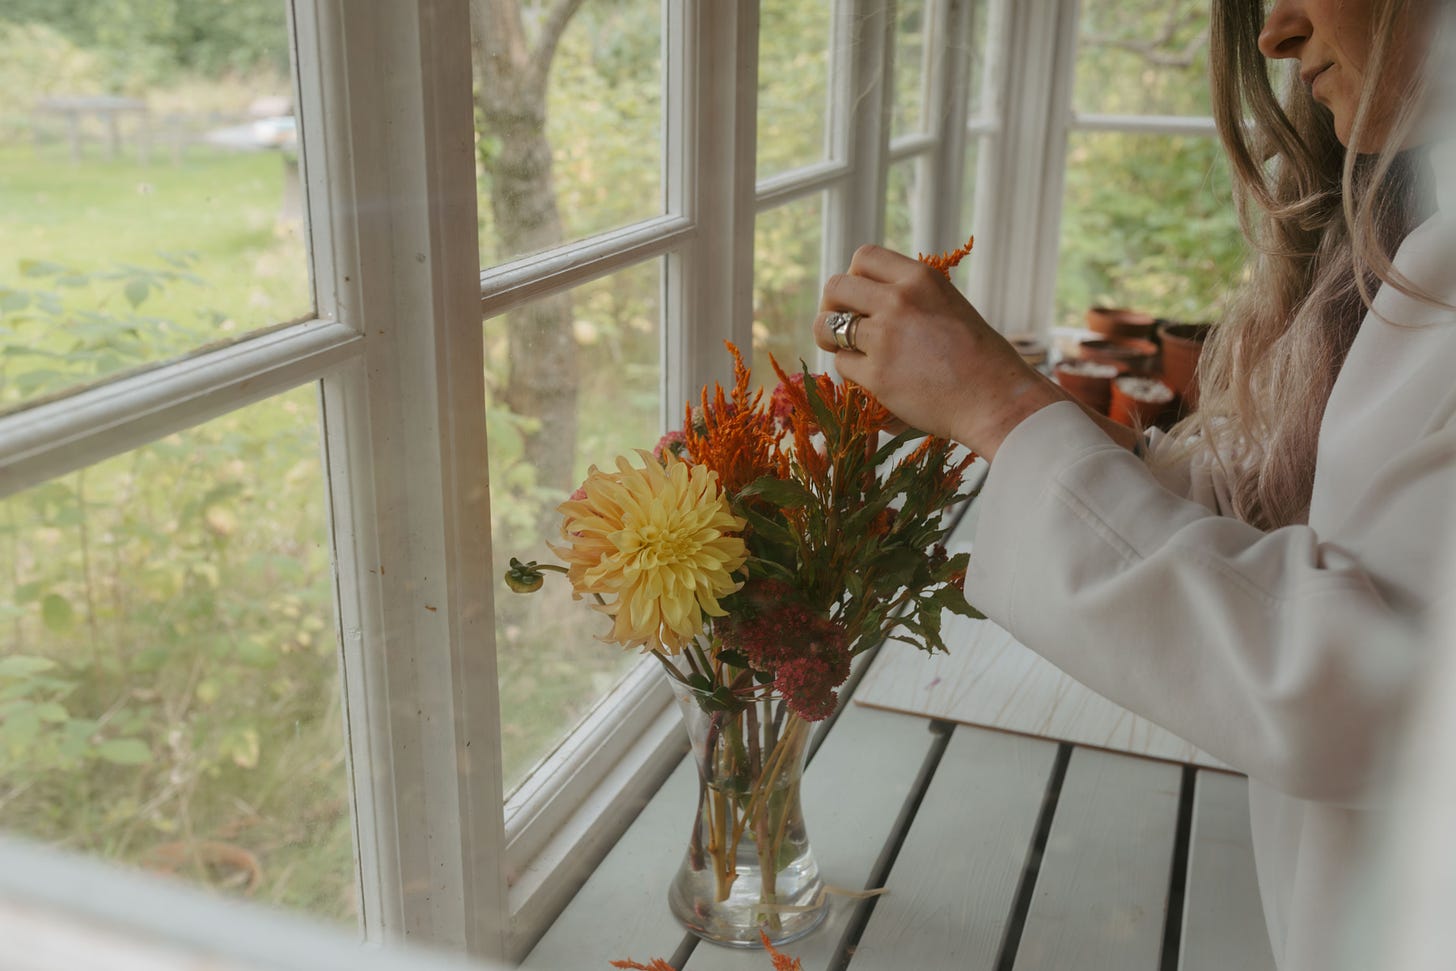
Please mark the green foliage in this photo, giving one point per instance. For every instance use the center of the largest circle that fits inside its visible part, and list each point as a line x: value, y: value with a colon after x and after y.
x: 153, y: 41
x: 1148, y: 220
x: 1148, y: 223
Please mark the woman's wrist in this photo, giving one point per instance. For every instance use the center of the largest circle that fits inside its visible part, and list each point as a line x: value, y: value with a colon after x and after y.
x: 1025, y: 399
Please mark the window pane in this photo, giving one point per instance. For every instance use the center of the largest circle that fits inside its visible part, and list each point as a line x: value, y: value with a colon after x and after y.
x: 793, y: 84
x: 582, y: 153
x: 968, y: 205
x: 787, y: 284
x: 1149, y: 223
x: 169, y: 687
x: 571, y: 381
x: 150, y: 201
x: 904, y: 187
x: 1145, y: 57
x: 980, y: 45
x: 910, y: 58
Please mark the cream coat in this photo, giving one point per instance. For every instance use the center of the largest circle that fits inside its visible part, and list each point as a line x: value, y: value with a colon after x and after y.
x: 1290, y: 654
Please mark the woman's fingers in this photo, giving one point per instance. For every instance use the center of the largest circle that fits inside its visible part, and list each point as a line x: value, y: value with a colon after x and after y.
x: 883, y: 265
x: 845, y: 291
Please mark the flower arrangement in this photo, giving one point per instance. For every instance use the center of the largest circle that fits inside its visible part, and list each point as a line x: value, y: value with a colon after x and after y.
x: 754, y: 553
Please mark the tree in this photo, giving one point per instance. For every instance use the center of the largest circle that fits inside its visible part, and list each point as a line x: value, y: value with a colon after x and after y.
x: 512, y: 75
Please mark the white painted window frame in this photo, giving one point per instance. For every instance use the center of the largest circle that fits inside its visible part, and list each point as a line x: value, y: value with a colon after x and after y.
x: 1026, y: 119
x: 395, y: 344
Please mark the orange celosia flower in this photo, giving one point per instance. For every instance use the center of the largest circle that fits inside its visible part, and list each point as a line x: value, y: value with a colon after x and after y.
x: 946, y: 262
x: 734, y: 435
x: 781, y: 961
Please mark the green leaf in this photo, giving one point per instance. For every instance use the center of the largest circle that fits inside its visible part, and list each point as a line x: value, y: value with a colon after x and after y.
x: 57, y: 612
x: 895, y: 444
x: 784, y: 493
x: 41, y: 268
x: 828, y: 424
x: 20, y: 727
x: 137, y: 290
x: 762, y: 567
x: 124, y: 751
x: 21, y: 665
x: 50, y: 711
x: 768, y: 530
x: 13, y: 300
x: 736, y: 658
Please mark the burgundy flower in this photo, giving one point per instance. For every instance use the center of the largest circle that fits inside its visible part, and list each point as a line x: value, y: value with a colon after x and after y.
x: 673, y: 443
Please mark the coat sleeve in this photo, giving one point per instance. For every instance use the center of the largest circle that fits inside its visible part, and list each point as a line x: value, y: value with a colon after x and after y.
x: 1278, y: 652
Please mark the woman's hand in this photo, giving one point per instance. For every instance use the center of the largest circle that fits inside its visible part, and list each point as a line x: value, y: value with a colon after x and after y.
x: 926, y: 353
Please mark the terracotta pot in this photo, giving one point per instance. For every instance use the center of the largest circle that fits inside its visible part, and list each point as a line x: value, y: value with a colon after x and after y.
x: 1140, y: 402
x: 1128, y: 356
x: 1088, y: 381
x: 1182, y: 345
x: 1033, y: 349
x: 1121, y: 323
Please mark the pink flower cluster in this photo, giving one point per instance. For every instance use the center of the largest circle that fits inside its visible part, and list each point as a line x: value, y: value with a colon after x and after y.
x: 806, y: 652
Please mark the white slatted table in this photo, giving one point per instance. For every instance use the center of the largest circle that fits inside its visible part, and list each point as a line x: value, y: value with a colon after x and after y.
x: 1001, y: 852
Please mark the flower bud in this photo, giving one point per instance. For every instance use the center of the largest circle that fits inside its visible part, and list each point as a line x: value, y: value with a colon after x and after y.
x: 524, y: 577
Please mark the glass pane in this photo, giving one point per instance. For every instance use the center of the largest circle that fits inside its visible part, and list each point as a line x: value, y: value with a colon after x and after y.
x: 150, y: 200
x: 571, y: 381
x: 581, y: 154
x: 1148, y: 223
x: 900, y: 206
x: 169, y: 678
x: 910, y: 65
x: 968, y: 206
x: 793, y: 84
x: 980, y: 46
x: 1143, y: 57
x: 787, y: 285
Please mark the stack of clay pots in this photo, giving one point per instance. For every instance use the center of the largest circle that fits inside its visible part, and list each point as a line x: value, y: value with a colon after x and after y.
x: 1137, y: 369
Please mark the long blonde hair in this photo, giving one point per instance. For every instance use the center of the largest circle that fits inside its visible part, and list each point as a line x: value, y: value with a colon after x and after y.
x: 1323, y: 224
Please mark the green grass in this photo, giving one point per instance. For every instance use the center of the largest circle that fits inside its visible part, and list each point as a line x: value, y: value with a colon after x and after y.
x: 219, y: 212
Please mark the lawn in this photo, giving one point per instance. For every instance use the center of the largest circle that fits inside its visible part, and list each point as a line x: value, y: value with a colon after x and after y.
x: 205, y: 237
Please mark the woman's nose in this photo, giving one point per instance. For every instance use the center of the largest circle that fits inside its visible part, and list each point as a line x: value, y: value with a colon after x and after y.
x: 1285, y: 30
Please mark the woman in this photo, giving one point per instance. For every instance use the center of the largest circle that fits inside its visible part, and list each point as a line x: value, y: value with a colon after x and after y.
x: 1257, y: 581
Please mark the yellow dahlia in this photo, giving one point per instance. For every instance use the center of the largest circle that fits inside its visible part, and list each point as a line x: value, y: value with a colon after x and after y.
x: 659, y: 544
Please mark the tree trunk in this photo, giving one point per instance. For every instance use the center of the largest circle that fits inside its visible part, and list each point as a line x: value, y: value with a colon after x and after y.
x: 541, y: 349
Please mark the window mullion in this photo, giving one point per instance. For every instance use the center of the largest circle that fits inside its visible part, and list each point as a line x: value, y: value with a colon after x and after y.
x: 713, y: 142
x: 70, y: 433
x: 939, y: 202
x: 405, y: 458
x: 1035, y: 80
x: 860, y: 107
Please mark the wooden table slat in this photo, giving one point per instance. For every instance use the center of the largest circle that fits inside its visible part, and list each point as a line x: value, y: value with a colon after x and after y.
x: 1101, y: 895
x: 870, y: 759
x: 1223, y: 923
x: 953, y: 884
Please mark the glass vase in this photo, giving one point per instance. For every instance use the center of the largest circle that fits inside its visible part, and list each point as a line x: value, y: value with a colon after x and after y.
x: 748, y: 866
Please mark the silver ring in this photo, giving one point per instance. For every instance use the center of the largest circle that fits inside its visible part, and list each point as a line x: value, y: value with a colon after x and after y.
x: 843, y: 325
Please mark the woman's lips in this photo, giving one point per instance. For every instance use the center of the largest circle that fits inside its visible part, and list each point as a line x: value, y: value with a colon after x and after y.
x: 1312, y: 78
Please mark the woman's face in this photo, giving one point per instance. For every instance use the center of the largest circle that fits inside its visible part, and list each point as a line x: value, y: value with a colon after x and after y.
x: 1333, y: 41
